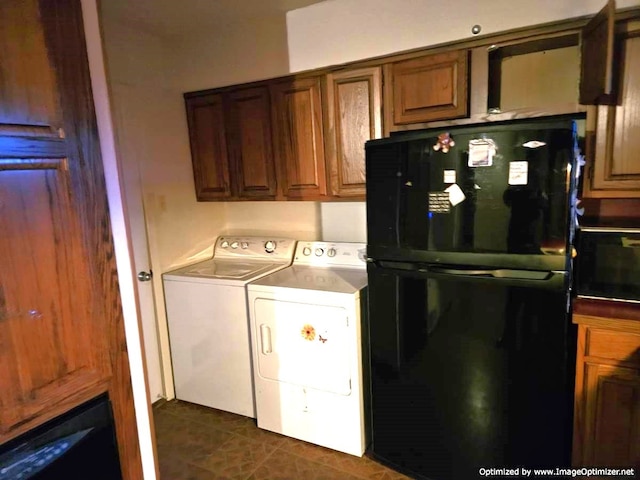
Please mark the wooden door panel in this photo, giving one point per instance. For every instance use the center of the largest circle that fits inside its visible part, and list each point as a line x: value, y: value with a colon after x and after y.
x: 614, y: 163
x: 208, y: 147
x: 45, y: 312
x: 250, y: 145
x: 612, y: 416
x: 354, y: 115
x: 27, y: 93
x: 596, y: 65
x: 430, y: 88
x: 62, y: 338
x: 298, y: 137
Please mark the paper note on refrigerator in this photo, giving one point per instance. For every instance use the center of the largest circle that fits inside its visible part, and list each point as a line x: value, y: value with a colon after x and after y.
x: 456, y: 195
x: 518, y: 173
x: 481, y: 152
x: 449, y: 176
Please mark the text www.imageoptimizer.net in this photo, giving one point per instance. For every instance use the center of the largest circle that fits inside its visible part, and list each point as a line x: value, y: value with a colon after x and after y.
x: 558, y: 472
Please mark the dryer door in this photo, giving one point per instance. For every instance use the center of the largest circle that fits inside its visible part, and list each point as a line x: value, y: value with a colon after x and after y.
x: 304, y: 344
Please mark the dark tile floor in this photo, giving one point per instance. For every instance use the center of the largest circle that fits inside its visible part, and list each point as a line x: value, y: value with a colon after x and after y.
x: 199, y: 443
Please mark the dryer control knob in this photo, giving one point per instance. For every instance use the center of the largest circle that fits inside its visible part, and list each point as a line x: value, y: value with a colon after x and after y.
x: 269, y: 246
x: 306, y: 251
x: 244, y: 245
x: 331, y: 252
x: 234, y: 244
x: 319, y: 252
x: 224, y: 244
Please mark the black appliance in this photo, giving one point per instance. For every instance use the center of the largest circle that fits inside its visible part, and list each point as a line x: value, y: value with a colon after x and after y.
x: 78, y: 445
x: 608, y: 264
x: 472, y: 351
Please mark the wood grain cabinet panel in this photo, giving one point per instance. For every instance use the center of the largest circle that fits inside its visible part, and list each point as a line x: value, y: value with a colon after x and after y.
x: 62, y: 339
x: 607, y: 393
x: 596, y: 75
x: 207, y: 135
x: 298, y: 137
x: 354, y: 115
x: 612, y: 151
x: 433, y: 87
x: 250, y: 143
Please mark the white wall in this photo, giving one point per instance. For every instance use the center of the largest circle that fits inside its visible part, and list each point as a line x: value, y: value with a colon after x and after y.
x: 338, y: 31
x: 153, y: 146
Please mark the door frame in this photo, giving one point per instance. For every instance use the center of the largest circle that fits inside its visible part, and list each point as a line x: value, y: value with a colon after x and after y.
x: 121, y: 238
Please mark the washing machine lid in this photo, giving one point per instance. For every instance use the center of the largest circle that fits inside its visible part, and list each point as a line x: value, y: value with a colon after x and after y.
x: 337, y: 279
x: 230, y: 271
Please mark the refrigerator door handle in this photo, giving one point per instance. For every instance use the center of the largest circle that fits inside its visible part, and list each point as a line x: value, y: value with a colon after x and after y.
x: 498, y: 273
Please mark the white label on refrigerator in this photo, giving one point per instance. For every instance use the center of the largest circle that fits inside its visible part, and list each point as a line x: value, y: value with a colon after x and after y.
x: 481, y: 152
x: 449, y: 176
x: 456, y: 195
x: 518, y: 173
x: 439, y: 202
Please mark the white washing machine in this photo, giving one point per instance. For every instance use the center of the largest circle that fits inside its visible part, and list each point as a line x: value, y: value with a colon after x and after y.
x: 306, y: 328
x: 209, y: 324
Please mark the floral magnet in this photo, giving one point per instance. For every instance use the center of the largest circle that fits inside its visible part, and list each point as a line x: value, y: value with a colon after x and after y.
x: 445, y: 142
x: 308, y: 332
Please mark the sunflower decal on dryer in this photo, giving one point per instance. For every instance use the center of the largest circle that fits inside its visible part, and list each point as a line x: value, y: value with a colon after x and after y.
x: 308, y: 333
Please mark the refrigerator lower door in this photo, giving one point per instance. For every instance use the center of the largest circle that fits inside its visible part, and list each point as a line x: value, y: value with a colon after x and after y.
x: 468, y: 373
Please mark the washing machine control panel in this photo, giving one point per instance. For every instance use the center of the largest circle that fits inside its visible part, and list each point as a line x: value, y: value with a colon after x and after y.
x: 254, y: 248
x: 331, y: 254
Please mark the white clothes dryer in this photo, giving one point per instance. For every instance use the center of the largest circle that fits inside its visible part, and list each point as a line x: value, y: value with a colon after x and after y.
x: 209, y: 324
x: 307, y: 327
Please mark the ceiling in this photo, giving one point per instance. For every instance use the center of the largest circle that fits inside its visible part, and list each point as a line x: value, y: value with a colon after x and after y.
x: 177, y: 17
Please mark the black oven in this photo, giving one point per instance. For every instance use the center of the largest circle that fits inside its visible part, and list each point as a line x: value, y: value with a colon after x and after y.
x: 78, y: 445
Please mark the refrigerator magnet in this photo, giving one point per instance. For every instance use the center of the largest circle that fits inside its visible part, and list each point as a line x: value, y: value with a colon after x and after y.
x: 481, y: 152
x: 449, y: 176
x: 518, y: 173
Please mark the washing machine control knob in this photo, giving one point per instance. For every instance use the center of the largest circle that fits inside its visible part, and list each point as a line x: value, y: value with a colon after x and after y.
x: 224, y: 244
x: 331, y: 252
x: 234, y: 244
x: 306, y: 251
x: 319, y: 252
x: 269, y: 246
x: 244, y: 245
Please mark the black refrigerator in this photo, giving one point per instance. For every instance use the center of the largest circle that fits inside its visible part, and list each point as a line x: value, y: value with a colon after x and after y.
x: 472, y: 349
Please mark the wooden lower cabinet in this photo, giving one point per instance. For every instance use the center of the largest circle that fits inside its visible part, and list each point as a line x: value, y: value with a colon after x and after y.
x: 607, y: 395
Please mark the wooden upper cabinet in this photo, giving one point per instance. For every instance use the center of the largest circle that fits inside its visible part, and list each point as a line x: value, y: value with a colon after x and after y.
x: 207, y: 135
x: 250, y: 143
x: 354, y: 115
x: 433, y: 87
x: 596, y: 75
x: 613, y: 168
x: 28, y: 100
x: 298, y: 137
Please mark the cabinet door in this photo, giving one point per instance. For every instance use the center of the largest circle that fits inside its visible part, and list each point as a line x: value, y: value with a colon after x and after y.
x: 612, y: 415
x: 354, y: 115
x: 430, y: 88
x: 62, y: 337
x: 207, y: 136
x: 596, y: 75
x: 298, y: 138
x: 250, y: 143
x: 614, y: 169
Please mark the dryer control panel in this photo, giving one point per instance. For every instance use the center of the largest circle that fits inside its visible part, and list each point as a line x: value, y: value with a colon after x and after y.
x: 254, y: 248
x: 331, y: 254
